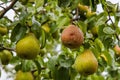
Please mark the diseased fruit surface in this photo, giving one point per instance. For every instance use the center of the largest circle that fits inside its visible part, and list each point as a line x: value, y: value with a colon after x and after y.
x: 5, y: 57
x: 24, y: 76
x: 86, y: 63
x: 72, y: 36
x: 28, y: 47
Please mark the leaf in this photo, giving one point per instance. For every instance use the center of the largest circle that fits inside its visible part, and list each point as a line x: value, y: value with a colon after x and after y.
x: 101, y: 19
x: 64, y: 3
x: 83, y: 26
x: 18, y: 67
x: 99, y: 44
x: 43, y: 39
x: 38, y: 66
x: 39, y: 3
x: 65, y: 62
x: 108, y: 56
x: 62, y: 74
x: 35, y: 28
x: 108, y: 30
x: 18, y: 32
x: 5, y: 1
x: 52, y: 62
x: 62, y: 21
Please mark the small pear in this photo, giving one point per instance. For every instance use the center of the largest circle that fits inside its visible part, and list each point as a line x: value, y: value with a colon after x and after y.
x: 24, y: 76
x: 28, y: 47
x: 72, y: 37
x: 5, y: 57
x: 117, y: 50
x: 3, y: 30
x: 86, y: 63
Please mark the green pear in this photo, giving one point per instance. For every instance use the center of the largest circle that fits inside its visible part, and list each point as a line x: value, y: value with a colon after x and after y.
x: 86, y: 63
x: 5, y: 57
x: 24, y: 76
x: 28, y: 47
x: 3, y: 30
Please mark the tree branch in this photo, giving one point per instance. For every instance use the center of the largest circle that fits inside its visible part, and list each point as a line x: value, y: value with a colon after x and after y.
x: 7, y: 8
x: 109, y: 18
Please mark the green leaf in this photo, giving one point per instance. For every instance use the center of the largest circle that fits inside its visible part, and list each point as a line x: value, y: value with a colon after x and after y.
x: 99, y: 44
x: 101, y: 19
x: 64, y: 3
x: 62, y: 21
x: 108, y: 55
x: 38, y: 66
x: 43, y: 39
x: 108, y: 30
x: 61, y: 74
x: 35, y: 28
x: 18, y: 32
x: 52, y: 62
x: 65, y: 62
x: 27, y: 65
x: 39, y: 3
x: 83, y: 26
x: 5, y: 1
x: 18, y: 67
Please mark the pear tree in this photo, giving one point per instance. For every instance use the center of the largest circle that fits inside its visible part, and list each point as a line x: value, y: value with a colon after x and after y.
x: 59, y: 40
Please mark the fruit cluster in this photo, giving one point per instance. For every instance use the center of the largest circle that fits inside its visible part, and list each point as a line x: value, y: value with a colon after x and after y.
x: 85, y: 63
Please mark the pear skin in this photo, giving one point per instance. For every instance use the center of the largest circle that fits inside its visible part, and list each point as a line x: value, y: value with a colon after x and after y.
x: 28, y: 47
x: 72, y: 37
x: 5, y: 57
x: 24, y: 76
x: 86, y: 63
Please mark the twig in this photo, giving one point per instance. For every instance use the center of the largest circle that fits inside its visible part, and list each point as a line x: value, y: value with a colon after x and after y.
x: 109, y: 18
x: 2, y: 7
x: 7, y: 8
x: 10, y: 49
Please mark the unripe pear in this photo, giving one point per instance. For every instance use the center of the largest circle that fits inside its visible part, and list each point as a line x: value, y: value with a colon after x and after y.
x: 3, y: 30
x: 5, y: 57
x: 24, y: 76
x: 86, y: 63
x: 72, y: 37
x: 94, y: 30
x: 28, y: 47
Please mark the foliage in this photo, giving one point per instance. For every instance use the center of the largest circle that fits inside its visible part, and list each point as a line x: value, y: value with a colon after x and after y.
x: 47, y: 19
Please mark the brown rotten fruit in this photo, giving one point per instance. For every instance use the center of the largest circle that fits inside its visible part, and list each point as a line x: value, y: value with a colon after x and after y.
x: 72, y: 37
x: 86, y: 63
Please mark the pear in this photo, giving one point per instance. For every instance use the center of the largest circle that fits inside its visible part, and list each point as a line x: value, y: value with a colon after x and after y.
x: 72, y: 37
x: 5, y: 57
x: 117, y: 50
x: 86, y: 63
x: 28, y: 47
x: 24, y: 76
x: 3, y: 30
